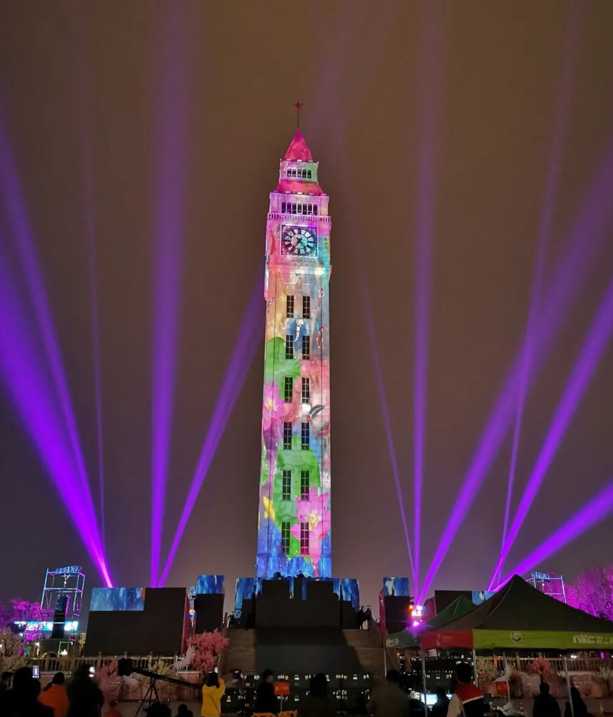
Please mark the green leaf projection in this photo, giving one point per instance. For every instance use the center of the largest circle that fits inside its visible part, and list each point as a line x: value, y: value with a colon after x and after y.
x: 276, y: 366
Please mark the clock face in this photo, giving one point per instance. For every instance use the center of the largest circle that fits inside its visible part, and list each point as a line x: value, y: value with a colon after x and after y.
x: 298, y: 241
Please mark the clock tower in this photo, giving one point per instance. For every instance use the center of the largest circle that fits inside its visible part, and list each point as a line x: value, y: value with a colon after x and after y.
x: 294, y: 526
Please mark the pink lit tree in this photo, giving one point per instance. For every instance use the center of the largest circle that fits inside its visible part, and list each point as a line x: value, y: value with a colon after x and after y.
x: 18, y: 610
x: 206, y: 648
x: 11, y: 650
x: 592, y: 592
x: 25, y: 610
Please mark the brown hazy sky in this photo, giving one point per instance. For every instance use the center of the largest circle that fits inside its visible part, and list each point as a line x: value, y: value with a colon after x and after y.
x: 87, y: 75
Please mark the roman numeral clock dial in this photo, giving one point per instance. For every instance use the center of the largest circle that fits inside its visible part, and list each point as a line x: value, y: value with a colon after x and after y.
x: 298, y: 241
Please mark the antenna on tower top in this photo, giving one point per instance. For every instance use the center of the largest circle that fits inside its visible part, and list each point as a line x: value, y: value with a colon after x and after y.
x: 298, y: 105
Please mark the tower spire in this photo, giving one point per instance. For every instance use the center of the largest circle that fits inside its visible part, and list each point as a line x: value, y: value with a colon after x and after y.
x: 298, y: 105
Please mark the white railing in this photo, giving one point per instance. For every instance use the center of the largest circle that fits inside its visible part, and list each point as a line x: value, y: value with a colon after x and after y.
x: 69, y: 664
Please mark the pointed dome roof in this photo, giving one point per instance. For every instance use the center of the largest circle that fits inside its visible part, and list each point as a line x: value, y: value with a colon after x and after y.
x: 298, y: 149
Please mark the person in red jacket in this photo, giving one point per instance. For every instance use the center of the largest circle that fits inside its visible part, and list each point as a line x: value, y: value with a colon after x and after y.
x: 467, y: 700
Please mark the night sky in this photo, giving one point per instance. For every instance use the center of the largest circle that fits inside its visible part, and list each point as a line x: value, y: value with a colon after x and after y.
x: 82, y: 97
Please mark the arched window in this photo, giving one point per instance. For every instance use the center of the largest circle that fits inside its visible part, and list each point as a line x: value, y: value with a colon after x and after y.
x: 304, y: 538
x: 286, y: 487
x: 287, y: 436
x: 304, y: 485
x: 288, y: 389
x: 285, y: 535
x: 305, y: 436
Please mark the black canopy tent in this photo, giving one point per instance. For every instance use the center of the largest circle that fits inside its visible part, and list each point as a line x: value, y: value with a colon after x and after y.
x: 521, y: 617
x: 405, y: 639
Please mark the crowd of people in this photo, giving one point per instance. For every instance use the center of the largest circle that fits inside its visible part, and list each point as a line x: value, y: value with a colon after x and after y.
x: 81, y: 697
x: 388, y: 698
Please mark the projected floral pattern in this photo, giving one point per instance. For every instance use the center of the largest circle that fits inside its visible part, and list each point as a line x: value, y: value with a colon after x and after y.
x: 287, y: 510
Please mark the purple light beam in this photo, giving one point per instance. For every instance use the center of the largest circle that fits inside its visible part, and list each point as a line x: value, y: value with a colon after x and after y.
x: 90, y: 232
x: 387, y: 424
x: 593, y: 349
x: 95, y: 338
x: 430, y: 71
x: 594, y: 512
x: 16, y: 213
x: 244, y: 352
x: 170, y: 153
x: 27, y: 380
x: 86, y: 122
x: 565, y: 93
x: 587, y: 238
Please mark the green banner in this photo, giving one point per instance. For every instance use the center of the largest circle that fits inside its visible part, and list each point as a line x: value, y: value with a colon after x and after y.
x: 543, y: 639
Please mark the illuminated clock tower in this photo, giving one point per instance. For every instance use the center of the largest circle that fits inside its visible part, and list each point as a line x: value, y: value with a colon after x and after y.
x: 294, y: 526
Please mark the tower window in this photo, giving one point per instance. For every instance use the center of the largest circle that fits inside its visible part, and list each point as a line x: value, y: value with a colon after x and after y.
x: 305, y: 436
x: 306, y: 348
x: 300, y: 209
x: 290, y: 307
x: 289, y: 347
x: 315, y: 209
x: 286, y: 487
x: 304, y: 538
x: 293, y: 208
x: 306, y: 390
x: 287, y: 436
x: 283, y: 207
x: 309, y: 173
x: 285, y: 536
x: 288, y: 389
x: 310, y: 209
x: 304, y: 485
x: 306, y: 307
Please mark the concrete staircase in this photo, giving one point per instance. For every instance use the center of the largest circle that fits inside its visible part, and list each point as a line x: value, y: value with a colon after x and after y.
x: 241, y: 653
x: 368, y: 646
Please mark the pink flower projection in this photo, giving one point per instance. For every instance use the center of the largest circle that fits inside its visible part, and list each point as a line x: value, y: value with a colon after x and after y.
x: 310, y: 511
x: 272, y: 416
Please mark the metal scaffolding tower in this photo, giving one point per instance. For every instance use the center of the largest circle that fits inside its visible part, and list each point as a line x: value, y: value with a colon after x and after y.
x: 552, y: 585
x: 68, y: 582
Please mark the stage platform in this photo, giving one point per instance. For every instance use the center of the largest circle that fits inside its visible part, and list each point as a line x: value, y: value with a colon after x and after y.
x: 304, y: 651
